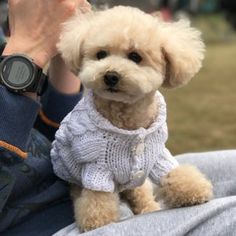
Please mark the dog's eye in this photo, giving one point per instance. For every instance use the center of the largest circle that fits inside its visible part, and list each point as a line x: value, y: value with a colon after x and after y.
x: 101, y: 54
x: 135, y: 57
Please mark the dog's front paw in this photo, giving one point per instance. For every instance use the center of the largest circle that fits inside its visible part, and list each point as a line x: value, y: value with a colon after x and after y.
x: 95, y: 209
x: 185, y: 186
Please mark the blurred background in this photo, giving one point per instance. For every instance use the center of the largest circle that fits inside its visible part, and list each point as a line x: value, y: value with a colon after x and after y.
x: 202, y: 115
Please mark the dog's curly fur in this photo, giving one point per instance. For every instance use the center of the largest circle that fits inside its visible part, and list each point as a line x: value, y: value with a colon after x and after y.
x: 171, y: 54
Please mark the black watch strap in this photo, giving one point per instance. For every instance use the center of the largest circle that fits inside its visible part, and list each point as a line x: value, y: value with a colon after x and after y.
x: 1, y: 58
x: 42, y: 84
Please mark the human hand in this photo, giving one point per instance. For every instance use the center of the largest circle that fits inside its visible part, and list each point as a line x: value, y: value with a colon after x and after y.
x: 35, y: 26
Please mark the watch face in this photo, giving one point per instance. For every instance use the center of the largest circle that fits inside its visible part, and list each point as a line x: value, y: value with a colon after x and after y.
x: 17, y: 72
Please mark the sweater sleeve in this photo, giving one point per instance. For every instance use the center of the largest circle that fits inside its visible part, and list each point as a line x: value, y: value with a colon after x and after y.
x: 164, y: 164
x: 55, y: 106
x: 17, y: 116
x: 70, y: 152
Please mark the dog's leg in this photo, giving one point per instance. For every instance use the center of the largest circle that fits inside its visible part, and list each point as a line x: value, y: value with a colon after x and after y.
x: 94, y: 209
x: 141, y: 199
x: 185, y: 186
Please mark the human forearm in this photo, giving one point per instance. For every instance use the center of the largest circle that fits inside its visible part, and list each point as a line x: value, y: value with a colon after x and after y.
x: 61, y: 78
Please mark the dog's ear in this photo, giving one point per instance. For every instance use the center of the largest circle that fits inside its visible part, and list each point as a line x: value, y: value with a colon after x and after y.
x: 71, y: 40
x: 183, y: 51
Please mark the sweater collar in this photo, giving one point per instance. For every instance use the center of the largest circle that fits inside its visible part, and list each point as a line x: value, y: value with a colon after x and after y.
x: 101, y: 122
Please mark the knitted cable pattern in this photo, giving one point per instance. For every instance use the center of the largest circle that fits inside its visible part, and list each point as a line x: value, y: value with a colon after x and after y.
x: 91, y: 152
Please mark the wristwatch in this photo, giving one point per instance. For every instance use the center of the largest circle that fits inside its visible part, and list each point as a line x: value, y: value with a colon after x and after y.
x: 19, y: 74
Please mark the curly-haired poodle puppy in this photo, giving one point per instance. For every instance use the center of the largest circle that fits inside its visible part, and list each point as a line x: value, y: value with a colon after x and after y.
x: 114, y: 140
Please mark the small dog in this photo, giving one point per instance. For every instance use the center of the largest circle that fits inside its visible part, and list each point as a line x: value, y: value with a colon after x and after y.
x: 114, y: 140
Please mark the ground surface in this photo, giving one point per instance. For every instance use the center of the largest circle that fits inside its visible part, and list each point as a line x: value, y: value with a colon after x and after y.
x: 202, y: 115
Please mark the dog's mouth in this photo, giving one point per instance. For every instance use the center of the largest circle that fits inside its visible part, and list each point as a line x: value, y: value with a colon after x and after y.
x: 112, y: 90
x: 115, y: 94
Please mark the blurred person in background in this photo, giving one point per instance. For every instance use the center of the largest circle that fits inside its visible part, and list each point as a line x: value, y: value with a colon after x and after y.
x: 229, y: 8
x: 3, y: 18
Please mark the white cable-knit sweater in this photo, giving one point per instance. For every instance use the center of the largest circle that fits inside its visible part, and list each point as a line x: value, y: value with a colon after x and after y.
x: 91, y: 152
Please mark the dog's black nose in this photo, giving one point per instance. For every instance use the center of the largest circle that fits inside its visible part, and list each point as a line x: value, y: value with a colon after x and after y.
x: 111, y: 78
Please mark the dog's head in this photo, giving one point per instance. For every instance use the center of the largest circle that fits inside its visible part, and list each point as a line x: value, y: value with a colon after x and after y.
x: 122, y: 54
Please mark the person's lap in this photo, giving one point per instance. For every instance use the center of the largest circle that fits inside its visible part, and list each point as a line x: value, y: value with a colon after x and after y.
x: 217, y: 217
x: 218, y: 166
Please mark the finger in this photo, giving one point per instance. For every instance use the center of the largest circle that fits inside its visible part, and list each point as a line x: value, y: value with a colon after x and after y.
x: 70, y: 5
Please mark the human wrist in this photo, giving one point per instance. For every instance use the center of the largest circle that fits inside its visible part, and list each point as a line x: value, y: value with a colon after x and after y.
x: 61, y: 78
x: 36, y: 53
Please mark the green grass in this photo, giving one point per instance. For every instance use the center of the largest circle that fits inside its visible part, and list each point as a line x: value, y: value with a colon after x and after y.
x: 202, y: 115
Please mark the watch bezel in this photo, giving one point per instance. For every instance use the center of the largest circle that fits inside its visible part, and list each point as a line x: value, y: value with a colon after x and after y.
x: 30, y: 64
